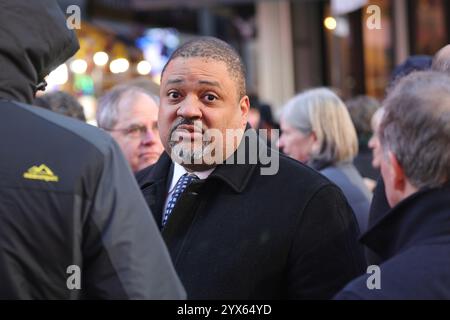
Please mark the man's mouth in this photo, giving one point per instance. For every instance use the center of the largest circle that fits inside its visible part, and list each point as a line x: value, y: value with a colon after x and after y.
x: 187, y: 133
x: 149, y: 154
x: 189, y: 128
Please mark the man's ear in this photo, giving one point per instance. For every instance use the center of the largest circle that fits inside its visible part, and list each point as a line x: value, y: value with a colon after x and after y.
x: 244, y: 105
x: 398, y: 174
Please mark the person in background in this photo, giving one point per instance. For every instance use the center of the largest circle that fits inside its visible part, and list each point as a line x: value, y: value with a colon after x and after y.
x: 61, y: 102
x: 380, y: 206
x: 441, y: 60
x: 254, y: 115
x: 411, y: 64
x: 268, y: 123
x: 130, y: 115
x: 317, y: 130
x: 361, y: 109
x: 413, y: 239
x: 233, y: 230
x: 73, y: 222
x: 145, y: 83
x: 260, y: 118
x: 374, y: 141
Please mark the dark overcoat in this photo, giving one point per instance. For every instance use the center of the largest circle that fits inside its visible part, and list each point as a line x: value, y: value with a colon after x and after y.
x: 240, y: 234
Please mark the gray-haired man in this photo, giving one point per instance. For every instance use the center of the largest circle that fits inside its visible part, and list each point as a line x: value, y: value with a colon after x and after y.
x: 130, y: 115
x: 413, y: 239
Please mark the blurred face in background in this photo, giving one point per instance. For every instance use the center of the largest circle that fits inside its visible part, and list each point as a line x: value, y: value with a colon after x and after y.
x: 374, y: 142
x: 295, y: 143
x: 136, y: 132
x: 254, y: 117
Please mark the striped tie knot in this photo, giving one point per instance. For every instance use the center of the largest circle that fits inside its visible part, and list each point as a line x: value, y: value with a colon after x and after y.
x: 181, y: 185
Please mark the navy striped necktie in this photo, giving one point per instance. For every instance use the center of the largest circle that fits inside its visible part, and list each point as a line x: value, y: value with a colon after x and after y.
x: 181, y: 185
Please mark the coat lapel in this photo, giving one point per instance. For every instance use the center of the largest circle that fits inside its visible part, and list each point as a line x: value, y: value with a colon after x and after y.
x: 155, y: 186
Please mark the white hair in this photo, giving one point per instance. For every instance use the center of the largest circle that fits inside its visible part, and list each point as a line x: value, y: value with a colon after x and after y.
x: 108, y: 105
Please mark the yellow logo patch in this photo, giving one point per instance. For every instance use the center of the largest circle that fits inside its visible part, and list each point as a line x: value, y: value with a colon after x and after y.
x: 41, y: 173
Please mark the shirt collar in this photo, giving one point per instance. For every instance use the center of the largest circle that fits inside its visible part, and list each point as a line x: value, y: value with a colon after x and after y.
x: 179, y: 170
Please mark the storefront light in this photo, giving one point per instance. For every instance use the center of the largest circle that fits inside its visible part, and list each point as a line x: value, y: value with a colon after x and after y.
x: 144, y: 68
x: 330, y: 23
x: 101, y: 58
x: 119, y: 65
x: 59, y: 76
x: 78, y: 66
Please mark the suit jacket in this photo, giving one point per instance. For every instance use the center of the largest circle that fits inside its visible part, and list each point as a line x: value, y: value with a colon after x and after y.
x: 242, y: 235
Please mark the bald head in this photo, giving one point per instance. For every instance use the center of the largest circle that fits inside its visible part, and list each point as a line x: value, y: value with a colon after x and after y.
x: 441, y: 61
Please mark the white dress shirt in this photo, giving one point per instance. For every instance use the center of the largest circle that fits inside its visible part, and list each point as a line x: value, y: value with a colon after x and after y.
x: 178, y: 171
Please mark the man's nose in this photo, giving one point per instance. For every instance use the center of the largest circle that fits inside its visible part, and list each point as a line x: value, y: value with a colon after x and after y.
x: 148, y: 137
x: 190, y: 108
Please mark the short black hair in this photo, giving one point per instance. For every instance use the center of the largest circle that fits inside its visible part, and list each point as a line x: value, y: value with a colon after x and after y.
x: 215, y: 49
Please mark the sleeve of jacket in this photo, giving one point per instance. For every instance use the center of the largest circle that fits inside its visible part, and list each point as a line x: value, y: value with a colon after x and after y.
x: 124, y: 254
x: 325, y: 254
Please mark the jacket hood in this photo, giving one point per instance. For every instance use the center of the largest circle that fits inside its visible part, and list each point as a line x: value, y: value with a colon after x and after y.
x: 34, y: 39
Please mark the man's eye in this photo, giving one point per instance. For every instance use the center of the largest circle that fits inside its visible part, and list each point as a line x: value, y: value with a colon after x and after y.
x: 134, y: 130
x: 174, y: 95
x: 210, y: 97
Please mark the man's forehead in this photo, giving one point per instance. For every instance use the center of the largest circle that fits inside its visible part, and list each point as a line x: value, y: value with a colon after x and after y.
x: 206, y: 81
x: 130, y: 121
x: 195, y: 59
x: 137, y: 110
x: 203, y: 66
x: 139, y: 100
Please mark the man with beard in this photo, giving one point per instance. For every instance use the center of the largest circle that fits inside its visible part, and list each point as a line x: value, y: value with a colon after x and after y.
x: 234, y: 230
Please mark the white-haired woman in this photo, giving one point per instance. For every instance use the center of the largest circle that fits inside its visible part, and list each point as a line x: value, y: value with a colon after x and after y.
x: 317, y: 130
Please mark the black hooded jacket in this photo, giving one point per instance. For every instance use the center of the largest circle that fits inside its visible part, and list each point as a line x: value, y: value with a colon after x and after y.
x: 73, y: 223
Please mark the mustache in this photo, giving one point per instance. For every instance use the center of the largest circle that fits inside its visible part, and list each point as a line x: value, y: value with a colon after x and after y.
x: 183, y: 121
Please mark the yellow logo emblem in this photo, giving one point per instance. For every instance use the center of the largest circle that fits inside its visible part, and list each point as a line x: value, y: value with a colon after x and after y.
x: 41, y: 173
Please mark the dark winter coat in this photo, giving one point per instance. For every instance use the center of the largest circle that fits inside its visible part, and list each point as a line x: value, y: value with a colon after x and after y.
x: 413, y: 243
x: 242, y: 235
